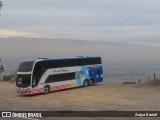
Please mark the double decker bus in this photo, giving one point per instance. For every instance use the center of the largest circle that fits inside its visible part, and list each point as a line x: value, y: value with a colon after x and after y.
x: 44, y: 75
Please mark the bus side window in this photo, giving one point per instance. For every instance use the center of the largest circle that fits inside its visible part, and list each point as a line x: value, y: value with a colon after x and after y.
x: 49, y: 79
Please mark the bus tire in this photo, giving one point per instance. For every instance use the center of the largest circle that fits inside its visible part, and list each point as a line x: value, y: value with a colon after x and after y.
x: 47, y: 89
x: 85, y: 83
x: 91, y: 82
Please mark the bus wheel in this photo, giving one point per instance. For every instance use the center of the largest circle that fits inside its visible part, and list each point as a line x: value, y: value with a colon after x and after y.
x: 91, y: 82
x: 85, y: 83
x: 46, y: 89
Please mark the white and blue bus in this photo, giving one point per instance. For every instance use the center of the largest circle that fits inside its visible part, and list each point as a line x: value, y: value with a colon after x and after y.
x: 44, y: 75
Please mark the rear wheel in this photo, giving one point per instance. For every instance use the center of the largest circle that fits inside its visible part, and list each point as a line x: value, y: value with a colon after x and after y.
x: 85, y: 83
x: 46, y: 89
x: 91, y: 82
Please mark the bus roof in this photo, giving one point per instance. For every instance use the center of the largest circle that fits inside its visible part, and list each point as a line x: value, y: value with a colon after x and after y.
x: 79, y: 57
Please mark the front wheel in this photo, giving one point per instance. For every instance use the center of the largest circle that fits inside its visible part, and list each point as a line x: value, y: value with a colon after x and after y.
x: 46, y: 89
x: 91, y: 82
x: 85, y: 83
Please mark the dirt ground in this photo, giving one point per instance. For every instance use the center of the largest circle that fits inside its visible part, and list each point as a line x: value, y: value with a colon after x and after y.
x: 100, y: 97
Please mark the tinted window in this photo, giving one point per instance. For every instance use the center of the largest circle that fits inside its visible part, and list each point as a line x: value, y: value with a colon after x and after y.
x: 73, y: 62
x: 23, y: 81
x: 26, y: 66
x: 60, y: 77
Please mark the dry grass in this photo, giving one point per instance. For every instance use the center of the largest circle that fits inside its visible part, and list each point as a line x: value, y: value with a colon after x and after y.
x: 154, y: 82
x: 98, y: 97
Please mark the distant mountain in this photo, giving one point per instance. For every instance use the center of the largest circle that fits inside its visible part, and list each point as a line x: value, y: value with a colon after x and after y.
x: 121, y: 60
x: 73, y: 41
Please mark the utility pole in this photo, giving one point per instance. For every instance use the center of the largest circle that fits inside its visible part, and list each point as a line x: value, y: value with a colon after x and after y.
x: 148, y: 79
x: 154, y: 76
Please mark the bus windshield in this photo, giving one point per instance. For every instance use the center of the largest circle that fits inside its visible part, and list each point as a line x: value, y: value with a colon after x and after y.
x: 26, y: 66
x: 23, y: 81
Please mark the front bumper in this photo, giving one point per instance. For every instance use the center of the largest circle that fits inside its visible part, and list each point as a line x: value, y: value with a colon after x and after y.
x: 29, y: 91
x: 22, y: 91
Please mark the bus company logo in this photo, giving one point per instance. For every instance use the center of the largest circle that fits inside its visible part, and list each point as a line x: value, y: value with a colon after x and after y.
x: 6, y: 114
x: 60, y: 70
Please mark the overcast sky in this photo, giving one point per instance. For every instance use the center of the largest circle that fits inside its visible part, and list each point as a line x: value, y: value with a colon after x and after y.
x: 115, y: 20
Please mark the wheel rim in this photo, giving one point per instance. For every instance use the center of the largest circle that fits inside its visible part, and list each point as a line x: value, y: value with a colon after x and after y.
x: 91, y: 82
x: 85, y: 83
x: 46, y: 90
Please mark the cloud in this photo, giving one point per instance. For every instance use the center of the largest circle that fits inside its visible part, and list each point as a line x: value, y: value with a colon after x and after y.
x: 83, y: 19
x: 13, y: 33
